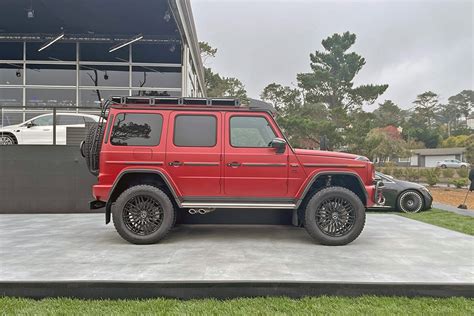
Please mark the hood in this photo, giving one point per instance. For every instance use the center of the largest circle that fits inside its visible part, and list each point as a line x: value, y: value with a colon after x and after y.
x: 323, y: 153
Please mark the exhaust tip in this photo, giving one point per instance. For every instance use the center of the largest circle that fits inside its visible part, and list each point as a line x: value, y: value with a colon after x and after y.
x: 192, y: 211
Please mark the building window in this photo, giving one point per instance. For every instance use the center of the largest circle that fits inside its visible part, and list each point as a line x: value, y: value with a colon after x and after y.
x: 100, y: 52
x: 94, y: 97
x: 11, y: 50
x: 161, y: 53
x: 46, y: 74
x: 50, y: 97
x: 250, y: 131
x: 195, y: 131
x: 10, y: 97
x: 156, y: 77
x: 404, y: 159
x: 11, y: 74
x: 108, y: 76
x: 56, y: 52
x: 136, y: 130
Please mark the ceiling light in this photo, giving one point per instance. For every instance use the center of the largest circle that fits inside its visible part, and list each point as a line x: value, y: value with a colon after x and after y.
x: 51, y: 42
x: 106, y: 76
x: 128, y: 42
x: 30, y: 13
x: 18, y: 73
x: 172, y: 48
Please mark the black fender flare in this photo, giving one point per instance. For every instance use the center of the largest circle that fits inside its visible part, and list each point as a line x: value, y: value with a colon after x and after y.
x: 325, y: 173
x: 108, y: 205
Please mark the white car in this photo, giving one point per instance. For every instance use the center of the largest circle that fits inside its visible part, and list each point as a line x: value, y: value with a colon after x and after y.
x: 452, y: 163
x: 39, y: 130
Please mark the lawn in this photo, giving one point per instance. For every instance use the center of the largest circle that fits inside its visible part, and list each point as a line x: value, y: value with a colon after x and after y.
x: 453, y: 221
x: 246, y: 306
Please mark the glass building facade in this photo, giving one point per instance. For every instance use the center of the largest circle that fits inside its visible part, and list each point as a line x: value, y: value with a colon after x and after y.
x: 83, y: 75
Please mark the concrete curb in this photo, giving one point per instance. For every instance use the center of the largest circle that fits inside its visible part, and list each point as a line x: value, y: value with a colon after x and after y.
x: 226, y: 289
x: 449, y: 208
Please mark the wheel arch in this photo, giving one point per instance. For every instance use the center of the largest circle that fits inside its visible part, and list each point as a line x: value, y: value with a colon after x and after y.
x: 15, y: 139
x: 132, y: 177
x: 346, y: 179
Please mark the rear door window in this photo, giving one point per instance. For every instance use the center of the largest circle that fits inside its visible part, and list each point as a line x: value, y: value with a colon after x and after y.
x: 195, y: 131
x: 131, y: 129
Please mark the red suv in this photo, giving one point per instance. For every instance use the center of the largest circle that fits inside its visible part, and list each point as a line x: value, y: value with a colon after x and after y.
x: 157, y: 156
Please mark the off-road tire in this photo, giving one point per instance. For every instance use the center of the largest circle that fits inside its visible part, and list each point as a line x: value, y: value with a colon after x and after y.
x: 92, y: 160
x: 410, y: 202
x: 168, y: 214
x: 324, y: 195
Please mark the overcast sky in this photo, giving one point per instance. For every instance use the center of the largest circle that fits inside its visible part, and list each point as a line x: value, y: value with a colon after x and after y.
x: 413, y: 46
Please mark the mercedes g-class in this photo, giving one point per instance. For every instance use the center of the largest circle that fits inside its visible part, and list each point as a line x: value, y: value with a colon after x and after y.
x: 156, y: 156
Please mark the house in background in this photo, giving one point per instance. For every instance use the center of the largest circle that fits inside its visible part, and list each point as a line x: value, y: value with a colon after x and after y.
x: 428, y: 157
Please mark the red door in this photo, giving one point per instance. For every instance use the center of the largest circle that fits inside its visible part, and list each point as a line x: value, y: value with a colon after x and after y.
x: 252, y: 169
x: 194, y: 150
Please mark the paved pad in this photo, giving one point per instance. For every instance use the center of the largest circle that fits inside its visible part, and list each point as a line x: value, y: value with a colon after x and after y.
x: 81, y: 247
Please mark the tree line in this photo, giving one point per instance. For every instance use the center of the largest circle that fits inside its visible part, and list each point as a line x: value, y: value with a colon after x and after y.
x: 326, y: 104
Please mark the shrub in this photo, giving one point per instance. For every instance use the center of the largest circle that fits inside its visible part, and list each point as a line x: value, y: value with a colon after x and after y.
x: 388, y: 171
x: 462, y: 173
x: 412, y: 174
x: 448, y: 173
x: 390, y: 164
x: 459, y: 183
x: 380, y: 169
x: 397, y: 172
x: 432, y: 176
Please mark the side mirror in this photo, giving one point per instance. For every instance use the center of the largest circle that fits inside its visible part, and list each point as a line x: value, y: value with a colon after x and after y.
x: 29, y: 124
x: 279, y: 144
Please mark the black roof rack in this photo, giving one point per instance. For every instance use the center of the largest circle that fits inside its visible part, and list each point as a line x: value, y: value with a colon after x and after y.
x: 156, y: 101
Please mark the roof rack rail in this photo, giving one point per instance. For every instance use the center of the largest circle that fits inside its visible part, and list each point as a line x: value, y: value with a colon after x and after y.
x: 156, y: 101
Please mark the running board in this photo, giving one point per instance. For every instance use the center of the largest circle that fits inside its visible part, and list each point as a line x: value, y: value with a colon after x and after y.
x: 238, y: 205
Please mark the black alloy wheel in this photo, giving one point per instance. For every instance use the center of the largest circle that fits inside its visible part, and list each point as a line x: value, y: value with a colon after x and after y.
x: 335, y: 216
x: 142, y: 215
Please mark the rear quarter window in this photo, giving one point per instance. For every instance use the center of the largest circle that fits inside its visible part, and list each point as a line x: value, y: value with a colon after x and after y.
x: 131, y: 129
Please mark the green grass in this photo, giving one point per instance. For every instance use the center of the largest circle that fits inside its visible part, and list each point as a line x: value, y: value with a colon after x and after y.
x: 368, y: 305
x: 449, y: 220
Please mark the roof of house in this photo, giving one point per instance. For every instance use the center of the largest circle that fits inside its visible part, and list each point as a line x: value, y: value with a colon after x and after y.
x: 439, y: 151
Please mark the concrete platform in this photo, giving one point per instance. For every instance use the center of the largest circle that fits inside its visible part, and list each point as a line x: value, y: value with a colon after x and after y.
x: 81, y: 248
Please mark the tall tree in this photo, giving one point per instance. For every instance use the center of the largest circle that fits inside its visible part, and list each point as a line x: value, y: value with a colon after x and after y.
x: 388, y: 113
x: 331, y: 81
x: 426, y: 106
x: 216, y: 85
x: 326, y: 101
x: 463, y: 102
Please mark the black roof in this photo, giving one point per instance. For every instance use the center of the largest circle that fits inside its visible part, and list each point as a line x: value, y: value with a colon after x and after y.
x: 88, y: 17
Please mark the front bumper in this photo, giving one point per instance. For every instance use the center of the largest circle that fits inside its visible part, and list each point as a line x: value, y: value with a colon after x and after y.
x: 428, y: 199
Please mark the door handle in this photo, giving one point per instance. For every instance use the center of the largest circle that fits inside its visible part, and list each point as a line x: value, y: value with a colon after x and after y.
x: 175, y: 163
x: 234, y: 164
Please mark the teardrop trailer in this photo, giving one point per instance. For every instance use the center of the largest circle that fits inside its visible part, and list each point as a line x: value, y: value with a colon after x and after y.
x: 156, y: 156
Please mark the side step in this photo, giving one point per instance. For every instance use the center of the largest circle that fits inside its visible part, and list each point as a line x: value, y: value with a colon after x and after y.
x: 200, y: 204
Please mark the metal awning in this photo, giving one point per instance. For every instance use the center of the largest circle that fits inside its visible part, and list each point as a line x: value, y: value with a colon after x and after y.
x: 87, y: 19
